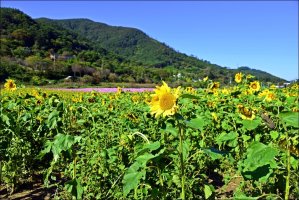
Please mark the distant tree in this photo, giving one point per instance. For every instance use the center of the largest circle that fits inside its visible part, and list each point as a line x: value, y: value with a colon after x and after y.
x: 112, y: 77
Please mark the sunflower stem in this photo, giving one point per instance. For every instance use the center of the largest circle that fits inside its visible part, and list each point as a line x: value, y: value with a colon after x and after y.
x: 181, y: 154
x: 288, y: 163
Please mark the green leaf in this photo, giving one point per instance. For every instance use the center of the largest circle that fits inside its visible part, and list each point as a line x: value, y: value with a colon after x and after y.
x: 172, y: 130
x: 190, y: 96
x: 65, y: 142
x: 239, y: 195
x: 258, y: 155
x: 251, y: 124
x: 208, y: 191
x: 137, y: 170
x: 52, y: 119
x: 290, y: 118
x: 142, y: 160
x: 224, y: 137
x: 81, y: 121
x: 5, y: 119
x: 186, y: 149
x: 214, y: 153
x: 47, y: 149
x: 260, y: 162
x: 149, y: 147
x: 132, y: 178
x: 75, y: 188
x: 197, y: 123
x: 274, y: 135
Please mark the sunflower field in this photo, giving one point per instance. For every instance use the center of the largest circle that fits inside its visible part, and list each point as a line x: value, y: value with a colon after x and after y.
x: 238, y: 142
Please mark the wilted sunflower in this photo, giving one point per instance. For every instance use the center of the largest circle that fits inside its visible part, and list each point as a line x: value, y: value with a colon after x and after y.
x: 215, y: 85
x: 164, y: 101
x: 246, y: 113
x: 10, y: 85
x: 255, y: 86
x: 190, y: 90
x: 238, y: 77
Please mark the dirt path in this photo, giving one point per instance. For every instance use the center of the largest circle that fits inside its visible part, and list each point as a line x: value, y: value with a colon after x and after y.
x: 26, y: 192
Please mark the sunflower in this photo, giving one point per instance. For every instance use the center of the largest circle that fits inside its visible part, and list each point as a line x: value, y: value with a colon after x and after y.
x: 119, y: 90
x: 246, y: 113
x: 255, y: 86
x: 263, y: 93
x: 238, y: 77
x: 164, y: 101
x: 295, y: 86
x: 225, y: 91
x: 273, y: 87
x: 190, y: 90
x: 215, y: 117
x: 205, y: 79
x: 270, y: 96
x: 215, y: 85
x: 10, y: 85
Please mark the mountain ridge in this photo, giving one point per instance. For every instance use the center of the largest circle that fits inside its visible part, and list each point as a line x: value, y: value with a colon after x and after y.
x: 121, y: 50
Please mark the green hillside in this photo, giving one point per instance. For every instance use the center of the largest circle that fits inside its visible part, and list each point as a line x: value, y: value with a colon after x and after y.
x: 96, y: 52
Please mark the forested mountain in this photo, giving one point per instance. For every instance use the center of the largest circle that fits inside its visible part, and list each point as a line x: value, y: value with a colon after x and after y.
x: 42, y: 49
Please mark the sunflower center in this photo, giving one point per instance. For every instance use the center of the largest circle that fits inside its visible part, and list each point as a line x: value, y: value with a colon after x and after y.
x: 167, y: 101
x: 254, y: 86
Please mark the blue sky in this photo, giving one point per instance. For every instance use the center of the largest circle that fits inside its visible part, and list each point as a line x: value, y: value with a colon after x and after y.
x: 259, y: 34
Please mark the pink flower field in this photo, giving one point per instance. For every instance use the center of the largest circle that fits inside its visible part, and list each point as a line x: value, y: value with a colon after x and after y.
x: 107, y: 89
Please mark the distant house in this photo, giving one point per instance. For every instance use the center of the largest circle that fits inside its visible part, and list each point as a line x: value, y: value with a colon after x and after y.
x: 284, y: 85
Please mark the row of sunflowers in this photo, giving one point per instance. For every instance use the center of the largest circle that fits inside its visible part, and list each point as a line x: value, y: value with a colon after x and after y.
x: 215, y: 142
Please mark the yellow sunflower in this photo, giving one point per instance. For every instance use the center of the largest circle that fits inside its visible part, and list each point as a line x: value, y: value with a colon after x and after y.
x: 238, y: 77
x: 205, y: 79
x: 270, y: 96
x: 164, y: 101
x: 119, y: 90
x: 255, y: 86
x: 295, y: 86
x: 10, y: 85
x: 263, y: 93
x: 273, y: 87
x: 225, y: 91
x: 215, y: 117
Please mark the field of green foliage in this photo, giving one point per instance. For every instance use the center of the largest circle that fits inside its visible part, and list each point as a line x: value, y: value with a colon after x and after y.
x: 173, y: 143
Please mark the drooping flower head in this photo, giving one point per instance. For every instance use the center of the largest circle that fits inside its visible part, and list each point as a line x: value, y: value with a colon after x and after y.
x: 10, y: 85
x: 164, y: 101
x: 238, y: 77
x: 255, y: 86
x: 246, y: 113
x: 214, y: 85
x: 190, y: 90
